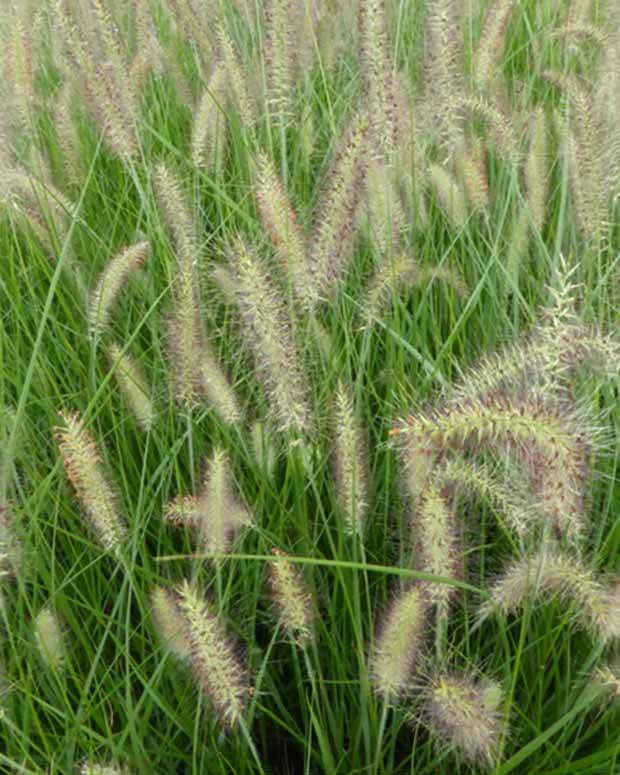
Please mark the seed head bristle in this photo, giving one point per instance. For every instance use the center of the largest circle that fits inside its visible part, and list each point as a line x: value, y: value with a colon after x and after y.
x: 111, y: 282
x: 83, y: 465
x: 399, y: 643
x: 169, y: 622
x: 174, y: 207
x: 470, y: 166
x: 96, y: 768
x: 386, y: 216
x: 267, y: 330
x: 216, y: 513
x: 237, y: 78
x: 217, y: 389
x: 465, y: 713
x: 10, y: 547
x: 292, y: 598
x: 377, y: 73
x: 392, y: 274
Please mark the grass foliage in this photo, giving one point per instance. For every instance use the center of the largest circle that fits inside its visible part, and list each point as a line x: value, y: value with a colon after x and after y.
x: 309, y: 418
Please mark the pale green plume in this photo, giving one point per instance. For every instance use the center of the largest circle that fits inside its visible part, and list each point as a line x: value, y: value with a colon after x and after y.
x: 292, y: 598
x: 133, y: 385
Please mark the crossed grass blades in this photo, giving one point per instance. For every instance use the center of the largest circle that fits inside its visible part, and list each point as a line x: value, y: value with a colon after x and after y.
x: 464, y: 151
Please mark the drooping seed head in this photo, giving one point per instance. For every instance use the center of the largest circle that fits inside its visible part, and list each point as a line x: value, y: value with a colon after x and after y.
x: 111, y: 282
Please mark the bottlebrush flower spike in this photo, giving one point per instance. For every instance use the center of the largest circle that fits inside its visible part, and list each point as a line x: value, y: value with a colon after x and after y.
x: 84, y: 468
x: 169, y: 622
x: 378, y: 75
x: 216, y: 512
x: 92, y: 53
x: 10, y: 546
x: 349, y: 462
x: 399, y: 643
x: 537, y: 169
x: 281, y: 222
x: 544, y: 436
x: 209, y: 128
x: 217, y: 389
x: 444, y: 83
x: 470, y: 164
x: 500, y: 130
x: 490, y: 49
x: 173, y: 205
x: 133, y: 386
x: 237, y: 78
x: 465, y: 713
x: 334, y: 228
x: 50, y: 638
x: 386, y: 216
x: 438, y: 549
x: 111, y: 282
x: 266, y: 328
x: 449, y: 195
x: 606, y: 680
x: 193, y: 17
x: 212, y: 655
x: 292, y: 598
x: 551, y: 573
x: 279, y: 57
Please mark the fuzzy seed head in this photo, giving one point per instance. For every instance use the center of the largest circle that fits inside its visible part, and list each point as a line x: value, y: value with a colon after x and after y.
x: 449, y: 195
x: 50, y: 638
x: 349, y: 462
x: 292, y: 598
x: 399, y: 643
x: 10, y: 546
x: 95, y: 768
x: 334, y: 228
x: 267, y: 329
x: 550, y: 573
x: 281, y: 223
x: 209, y: 129
x: 133, y: 385
x: 217, y: 389
x: 212, y: 656
x: 84, y: 468
x: 110, y: 284
x: 436, y: 536
x: 169, y: 622
x: 465, y: 713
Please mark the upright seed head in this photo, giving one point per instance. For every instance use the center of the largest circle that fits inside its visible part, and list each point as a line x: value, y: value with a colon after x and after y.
x: 334, y: 228
x: 209, y: 129
x: 84, y: 468
x: 267, y: 330
x: 490, y: 49
x: 281, y: 223
x: 399, y: 643
x: 437, y: 540
x: 449, y: 194
x: 292, y: 598
x: 349, y: 462
x: 465, y: 713
x: 536, y: 169
x: 50, y: 638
